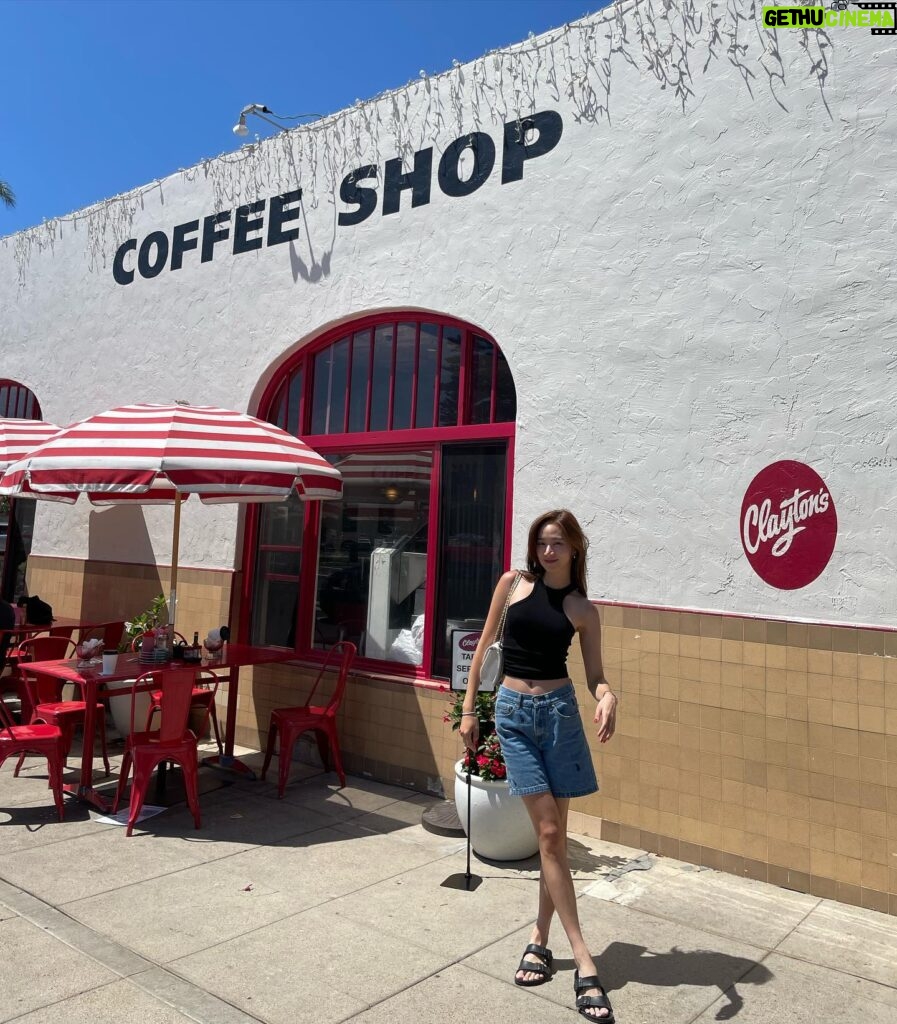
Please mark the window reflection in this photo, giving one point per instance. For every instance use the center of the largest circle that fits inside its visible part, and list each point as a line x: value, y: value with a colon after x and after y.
x: 381, y: 376
x: 428, y: 350
x: 372, y: 561
x: 401, y: 406
x: 278, y: 565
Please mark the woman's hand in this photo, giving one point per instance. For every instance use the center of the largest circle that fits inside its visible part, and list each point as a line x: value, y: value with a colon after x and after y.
x: 470, y: 731
x: 606, y: 717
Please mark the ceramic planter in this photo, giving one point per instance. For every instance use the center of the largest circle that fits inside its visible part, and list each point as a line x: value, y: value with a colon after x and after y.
x: 500, y: 827
x: 120, y: 707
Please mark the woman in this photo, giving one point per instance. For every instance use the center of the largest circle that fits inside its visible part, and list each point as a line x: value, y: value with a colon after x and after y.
x: 538, y: 723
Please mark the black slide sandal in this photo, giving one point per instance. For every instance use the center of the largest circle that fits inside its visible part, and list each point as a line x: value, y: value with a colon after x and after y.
x: 584, y: 1003
x: 543, y: 969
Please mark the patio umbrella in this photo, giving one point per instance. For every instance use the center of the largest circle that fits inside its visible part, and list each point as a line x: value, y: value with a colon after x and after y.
x: 159, y: 454
x: 19, y: 437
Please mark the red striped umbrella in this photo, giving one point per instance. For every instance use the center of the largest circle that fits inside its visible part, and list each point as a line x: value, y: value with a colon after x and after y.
x: 19, y: 437
x: 164, y: 453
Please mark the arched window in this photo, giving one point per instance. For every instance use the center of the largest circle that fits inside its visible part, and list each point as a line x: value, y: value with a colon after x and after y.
x: 18, y: 402
x: 16, y: 517
x: 418, y: 414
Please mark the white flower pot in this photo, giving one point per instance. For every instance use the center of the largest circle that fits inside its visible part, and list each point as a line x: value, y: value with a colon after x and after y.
x: 120, y: 707
x: 500, y: 827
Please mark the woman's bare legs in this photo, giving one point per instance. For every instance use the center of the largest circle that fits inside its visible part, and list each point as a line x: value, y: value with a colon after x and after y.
x: 556, y: 893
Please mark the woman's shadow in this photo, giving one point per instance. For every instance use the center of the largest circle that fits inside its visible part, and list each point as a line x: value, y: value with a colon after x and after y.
x: 622, y: 963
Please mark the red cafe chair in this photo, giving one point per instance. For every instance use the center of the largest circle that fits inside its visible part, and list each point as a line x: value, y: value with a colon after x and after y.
x: 45, y: 695
x: 110, y: 632
x: 288, y: 724
x: 203, y: 697
x: 173, y: 740
x: 138, y: 640
x: 43, y: 740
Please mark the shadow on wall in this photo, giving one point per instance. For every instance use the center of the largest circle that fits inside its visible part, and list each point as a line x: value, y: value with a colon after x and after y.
x: 624, y: 963
x: 121, y: 577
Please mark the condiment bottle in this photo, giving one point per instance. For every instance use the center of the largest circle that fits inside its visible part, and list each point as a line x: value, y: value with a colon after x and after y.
x: 148, y: 642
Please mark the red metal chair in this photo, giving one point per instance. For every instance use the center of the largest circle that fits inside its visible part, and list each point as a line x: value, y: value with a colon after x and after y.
x: 136, y: 642
x: 288, y: 724
x: 203, y: 697
x: 45, y: 695
x: 111, y: 632
x: 172, y: 741
x: 43, y: 740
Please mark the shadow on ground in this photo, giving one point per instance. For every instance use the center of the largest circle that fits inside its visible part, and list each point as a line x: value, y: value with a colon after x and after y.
x: 623, y: 963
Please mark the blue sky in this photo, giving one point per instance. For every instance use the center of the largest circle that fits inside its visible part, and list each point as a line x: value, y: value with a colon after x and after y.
x: 100, y: 97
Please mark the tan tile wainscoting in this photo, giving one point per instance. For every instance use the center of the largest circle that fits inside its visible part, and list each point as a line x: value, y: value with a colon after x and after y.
x: 761, y: 748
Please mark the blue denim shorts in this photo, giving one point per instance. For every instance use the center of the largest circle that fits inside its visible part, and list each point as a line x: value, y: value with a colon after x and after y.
x: 544, y: 743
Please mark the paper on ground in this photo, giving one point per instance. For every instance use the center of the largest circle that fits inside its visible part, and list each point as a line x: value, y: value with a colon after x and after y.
x: 121, y: 818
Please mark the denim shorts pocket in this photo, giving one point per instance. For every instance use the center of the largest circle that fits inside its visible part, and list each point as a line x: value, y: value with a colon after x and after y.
x: 567, y: 708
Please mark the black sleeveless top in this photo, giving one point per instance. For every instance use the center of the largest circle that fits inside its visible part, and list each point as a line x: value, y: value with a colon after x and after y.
x: 538, y: 634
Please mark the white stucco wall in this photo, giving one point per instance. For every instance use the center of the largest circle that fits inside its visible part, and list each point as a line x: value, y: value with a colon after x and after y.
x: 688, y: 288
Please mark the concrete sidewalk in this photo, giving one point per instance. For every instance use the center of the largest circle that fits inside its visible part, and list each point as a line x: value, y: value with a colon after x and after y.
x: 328, y: 906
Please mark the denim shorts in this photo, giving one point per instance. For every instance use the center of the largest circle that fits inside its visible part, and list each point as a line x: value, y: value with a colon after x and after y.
x: 544, y: 743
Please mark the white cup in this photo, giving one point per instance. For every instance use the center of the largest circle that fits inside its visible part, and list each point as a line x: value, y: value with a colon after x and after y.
x: 110, y: 660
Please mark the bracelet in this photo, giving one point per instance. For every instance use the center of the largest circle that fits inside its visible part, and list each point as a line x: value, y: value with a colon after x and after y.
x: 601, y: 698
x: 463, y: 713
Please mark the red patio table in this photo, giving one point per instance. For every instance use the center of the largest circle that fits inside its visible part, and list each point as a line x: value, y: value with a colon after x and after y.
x: 60, y: 626
x: 92, y: 682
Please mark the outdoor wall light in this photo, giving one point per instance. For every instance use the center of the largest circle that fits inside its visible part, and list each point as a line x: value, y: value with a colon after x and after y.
x: 260, y: 110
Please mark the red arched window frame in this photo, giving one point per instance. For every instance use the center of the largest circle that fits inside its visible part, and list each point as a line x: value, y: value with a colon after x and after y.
x: 16, y: 519
x: 18, y: 402
x: 476, y: 404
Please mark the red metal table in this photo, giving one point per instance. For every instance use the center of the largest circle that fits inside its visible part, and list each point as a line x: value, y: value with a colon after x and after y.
x: 93, y: 682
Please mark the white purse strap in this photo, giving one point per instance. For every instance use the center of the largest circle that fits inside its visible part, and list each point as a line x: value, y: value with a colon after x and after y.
x: 500, y: 632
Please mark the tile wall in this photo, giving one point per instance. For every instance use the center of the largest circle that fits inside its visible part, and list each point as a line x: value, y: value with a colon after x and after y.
x: 762, y: 748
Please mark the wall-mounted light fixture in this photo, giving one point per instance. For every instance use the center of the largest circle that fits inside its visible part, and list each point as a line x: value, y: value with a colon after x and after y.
x: 260, y: 110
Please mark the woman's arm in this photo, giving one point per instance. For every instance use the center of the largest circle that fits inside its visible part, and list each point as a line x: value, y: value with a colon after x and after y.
x: 588, y: 625
x: 470, y: 726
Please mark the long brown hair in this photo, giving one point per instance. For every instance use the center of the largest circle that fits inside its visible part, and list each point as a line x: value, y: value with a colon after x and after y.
x: 574, y: 536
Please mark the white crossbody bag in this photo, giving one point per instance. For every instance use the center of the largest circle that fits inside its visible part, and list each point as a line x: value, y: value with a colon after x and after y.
x: 492, y: 667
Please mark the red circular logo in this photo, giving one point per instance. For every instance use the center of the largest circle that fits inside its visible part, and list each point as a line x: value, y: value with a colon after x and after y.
x: 788, y: 525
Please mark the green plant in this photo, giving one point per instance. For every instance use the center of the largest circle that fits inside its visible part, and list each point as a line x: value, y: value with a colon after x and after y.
x: 487, y: 761
x: 148, y: 619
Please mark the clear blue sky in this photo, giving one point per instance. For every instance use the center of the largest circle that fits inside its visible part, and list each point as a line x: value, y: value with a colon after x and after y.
x: 100, y: 96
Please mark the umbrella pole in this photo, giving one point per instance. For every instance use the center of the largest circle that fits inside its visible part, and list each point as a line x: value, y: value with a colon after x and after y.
x: 175, y: 535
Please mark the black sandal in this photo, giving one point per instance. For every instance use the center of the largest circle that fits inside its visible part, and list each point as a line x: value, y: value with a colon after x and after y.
x: 584, y: 1003
x: 543, y: 969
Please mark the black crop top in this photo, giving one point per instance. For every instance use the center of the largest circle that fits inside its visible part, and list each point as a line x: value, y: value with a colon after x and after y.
x: 538, y: 634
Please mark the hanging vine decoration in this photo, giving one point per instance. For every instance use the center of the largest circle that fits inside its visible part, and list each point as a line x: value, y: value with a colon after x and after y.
x: 667, y: 38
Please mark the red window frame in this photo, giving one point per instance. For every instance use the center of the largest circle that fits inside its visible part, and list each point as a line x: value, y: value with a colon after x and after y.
x: 18, y: 402
x: 278, y: 403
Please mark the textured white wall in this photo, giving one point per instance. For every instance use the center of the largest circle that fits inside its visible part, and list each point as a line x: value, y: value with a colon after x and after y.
x: 686, y: 290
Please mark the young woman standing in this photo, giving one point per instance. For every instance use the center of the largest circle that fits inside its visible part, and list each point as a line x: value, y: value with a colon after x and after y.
x: 538, y: 723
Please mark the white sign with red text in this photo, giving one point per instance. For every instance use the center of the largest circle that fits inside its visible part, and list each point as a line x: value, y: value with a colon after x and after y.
x: 464, y: 643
